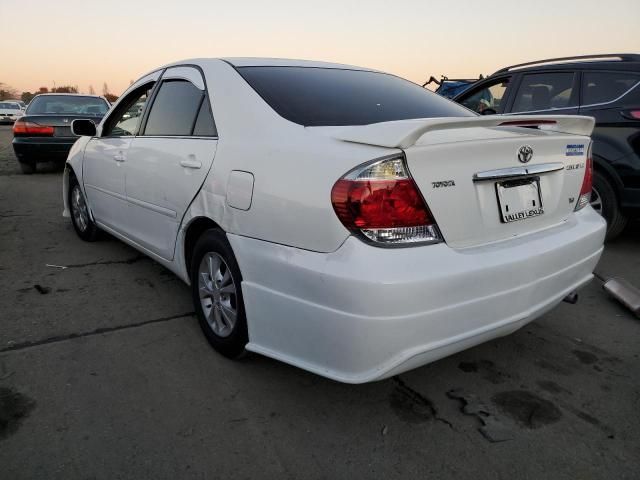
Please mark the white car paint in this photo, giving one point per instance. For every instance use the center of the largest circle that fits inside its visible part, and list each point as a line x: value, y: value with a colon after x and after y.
x: 10, y: 114
x: 315, y: 295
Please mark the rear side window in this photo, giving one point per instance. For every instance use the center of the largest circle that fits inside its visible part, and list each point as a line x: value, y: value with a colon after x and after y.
x: 544, y: 91
x: 313, y: 96
x: 205, y: 126
x: 174, y: 109
x: 601, y: 87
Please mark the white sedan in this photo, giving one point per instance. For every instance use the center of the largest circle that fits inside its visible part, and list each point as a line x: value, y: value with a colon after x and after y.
x: 10, y: 111
x: 336, y: 218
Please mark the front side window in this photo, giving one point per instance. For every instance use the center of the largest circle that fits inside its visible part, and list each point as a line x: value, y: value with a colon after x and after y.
x: 544, y: 91
x: 67, y: 105
x: 489, y: 99
x: 315, y: 97
x: 125, y: 120
x: 602, y: 87
x: 174, y: 109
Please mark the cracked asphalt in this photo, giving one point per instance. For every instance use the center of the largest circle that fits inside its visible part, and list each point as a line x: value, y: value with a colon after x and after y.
x: 104, y: 375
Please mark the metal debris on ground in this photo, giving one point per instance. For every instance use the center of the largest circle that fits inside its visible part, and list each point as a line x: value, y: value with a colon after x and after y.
x: 61, y: 267
x: 625, y: 293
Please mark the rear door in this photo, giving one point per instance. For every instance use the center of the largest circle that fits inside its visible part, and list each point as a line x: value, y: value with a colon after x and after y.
x: 545, y: 93
x: 168, y: 162
x: 609, y: 97
x: 105, y: 157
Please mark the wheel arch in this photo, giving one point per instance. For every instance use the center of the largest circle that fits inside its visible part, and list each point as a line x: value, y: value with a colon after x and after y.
x: 73, y: 166
x: 604, y: 168
x: 66, y: 178
x: 196, y: 227
x: 69, y: 172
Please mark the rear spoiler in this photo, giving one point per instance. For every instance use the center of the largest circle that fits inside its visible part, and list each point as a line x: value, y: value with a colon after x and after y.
x: 405, y: 133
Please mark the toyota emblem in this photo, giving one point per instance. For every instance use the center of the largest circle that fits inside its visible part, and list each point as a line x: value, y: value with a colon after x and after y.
x: 525, y: 153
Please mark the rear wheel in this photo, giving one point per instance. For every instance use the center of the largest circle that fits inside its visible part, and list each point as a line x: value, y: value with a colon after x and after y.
x: 82, y: 223
x: 27, y: 166
x: 605, y: 202
x: 217, y: 294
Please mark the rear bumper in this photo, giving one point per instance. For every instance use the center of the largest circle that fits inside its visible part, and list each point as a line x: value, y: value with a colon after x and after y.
x: 42, y: 149
x: 364, y: 313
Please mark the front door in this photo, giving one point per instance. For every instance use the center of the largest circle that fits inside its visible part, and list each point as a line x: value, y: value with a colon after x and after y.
x: 103, y: 174
x: 489, y: 98
x: 105, y: 157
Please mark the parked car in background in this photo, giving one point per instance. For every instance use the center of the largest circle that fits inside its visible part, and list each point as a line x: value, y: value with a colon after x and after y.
x: 605, y: 87
x: 9, y: 112
x: 340, y: 219
x: 449, y: 88
x: 22, y: 105
x: 44, y: 132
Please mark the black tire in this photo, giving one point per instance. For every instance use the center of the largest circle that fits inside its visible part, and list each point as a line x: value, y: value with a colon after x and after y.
x: 604, y: 192
x: 87, y: 231
x: 27, y: 166
x: 232, y: 343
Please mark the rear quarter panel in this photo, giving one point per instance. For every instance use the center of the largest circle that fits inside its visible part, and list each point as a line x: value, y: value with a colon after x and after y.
x: 294, y: 169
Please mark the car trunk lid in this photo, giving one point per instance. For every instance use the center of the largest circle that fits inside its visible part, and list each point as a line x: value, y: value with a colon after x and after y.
x: 490, y: 179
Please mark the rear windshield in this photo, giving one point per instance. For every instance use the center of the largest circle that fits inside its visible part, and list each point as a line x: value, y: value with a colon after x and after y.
x: 317, y: 97
x: 67, y: 105
x: 9, y: 106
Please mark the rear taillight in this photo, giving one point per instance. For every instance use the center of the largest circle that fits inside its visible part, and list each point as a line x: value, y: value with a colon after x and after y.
x: 380, y: 202
x: 633, y: 114
x: 21, y: 127
x: 587, y: 182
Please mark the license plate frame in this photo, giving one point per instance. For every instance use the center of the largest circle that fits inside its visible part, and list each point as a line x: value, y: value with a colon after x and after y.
x: 519, y: 199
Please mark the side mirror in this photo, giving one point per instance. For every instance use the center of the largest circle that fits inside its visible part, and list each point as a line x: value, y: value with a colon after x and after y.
x: 488, y: 111
x: 83, y: 128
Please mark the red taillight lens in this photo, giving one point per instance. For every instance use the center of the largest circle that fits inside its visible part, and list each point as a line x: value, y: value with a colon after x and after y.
x: 587, y: 182
x: 32, y: 128
x: 379, y: 203
x: 633, y: 114
x: 382, y: 202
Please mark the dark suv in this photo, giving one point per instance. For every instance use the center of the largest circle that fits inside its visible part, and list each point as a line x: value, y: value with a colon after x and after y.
x: 606, y: 87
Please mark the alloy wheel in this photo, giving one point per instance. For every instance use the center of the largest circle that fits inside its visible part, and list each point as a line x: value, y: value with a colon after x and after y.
x: 79, y: 209
x: 218, y: 295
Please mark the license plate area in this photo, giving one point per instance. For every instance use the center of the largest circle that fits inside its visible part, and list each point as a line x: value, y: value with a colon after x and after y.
x: 519, y: 199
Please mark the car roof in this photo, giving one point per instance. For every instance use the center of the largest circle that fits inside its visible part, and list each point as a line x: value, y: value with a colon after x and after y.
x: 69, y: 94
x: 616, y: 61
x: 286, y: 62
x: 266, y: 62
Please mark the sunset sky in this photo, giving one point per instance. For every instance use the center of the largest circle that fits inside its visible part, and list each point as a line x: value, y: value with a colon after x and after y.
x: 85, y: 42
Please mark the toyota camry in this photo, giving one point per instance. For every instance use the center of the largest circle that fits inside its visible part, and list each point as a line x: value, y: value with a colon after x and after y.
x: 337, y: 218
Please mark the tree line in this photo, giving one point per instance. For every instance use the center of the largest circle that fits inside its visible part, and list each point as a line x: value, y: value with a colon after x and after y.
x: 7, y: 92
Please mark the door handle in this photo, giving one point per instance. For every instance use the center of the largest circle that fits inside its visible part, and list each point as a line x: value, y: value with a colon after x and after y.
x: 118, y: 157
x: 191, y: 163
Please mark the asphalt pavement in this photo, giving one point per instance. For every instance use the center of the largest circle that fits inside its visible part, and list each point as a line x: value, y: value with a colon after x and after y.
x: 104, y: 374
